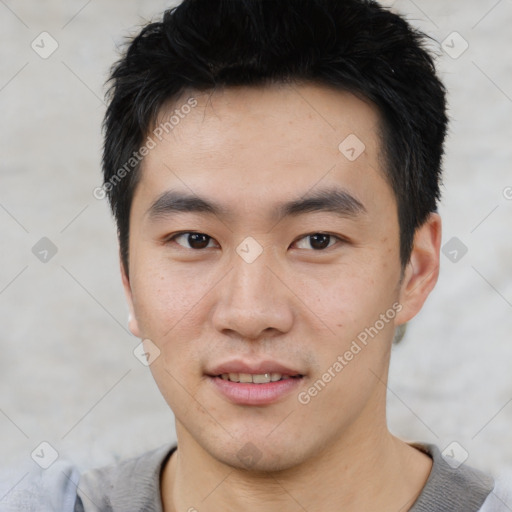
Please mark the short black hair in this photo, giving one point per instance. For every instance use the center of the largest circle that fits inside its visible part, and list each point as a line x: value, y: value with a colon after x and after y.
x: 352, y: 45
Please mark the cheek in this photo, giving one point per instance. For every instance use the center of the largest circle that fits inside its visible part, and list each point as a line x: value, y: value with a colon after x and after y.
x: 349, y: 297
x: 166, y: 298
x: 171, y: 312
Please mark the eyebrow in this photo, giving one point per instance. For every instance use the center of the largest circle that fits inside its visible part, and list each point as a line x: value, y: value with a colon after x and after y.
x: 336, y: 200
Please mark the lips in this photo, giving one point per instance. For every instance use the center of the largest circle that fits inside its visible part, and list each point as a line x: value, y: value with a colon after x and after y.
x: 241, y: 371
x: 256, y: 378
x: 256, y: 383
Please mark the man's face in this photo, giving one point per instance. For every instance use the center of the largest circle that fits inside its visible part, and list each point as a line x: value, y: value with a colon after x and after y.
x: 273, y: 282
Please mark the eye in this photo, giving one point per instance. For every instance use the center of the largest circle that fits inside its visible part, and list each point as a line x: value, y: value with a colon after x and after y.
x: 317, y: 241
x: 192, y: 240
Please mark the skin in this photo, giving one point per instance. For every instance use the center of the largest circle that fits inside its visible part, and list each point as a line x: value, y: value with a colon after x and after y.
x: 250, y: 149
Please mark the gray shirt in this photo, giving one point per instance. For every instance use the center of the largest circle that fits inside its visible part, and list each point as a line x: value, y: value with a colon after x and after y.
x: 134, y: 486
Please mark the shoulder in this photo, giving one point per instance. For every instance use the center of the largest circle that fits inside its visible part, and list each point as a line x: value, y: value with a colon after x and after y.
x: 31, y: 488
x: 455, y: 486
x: 132, y: 484
x: 500, y: 499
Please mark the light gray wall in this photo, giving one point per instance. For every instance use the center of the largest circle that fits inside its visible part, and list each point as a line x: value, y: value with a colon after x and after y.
x: 69, y: 376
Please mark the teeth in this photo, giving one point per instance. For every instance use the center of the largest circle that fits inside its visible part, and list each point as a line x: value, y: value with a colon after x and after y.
x: 260, y: 378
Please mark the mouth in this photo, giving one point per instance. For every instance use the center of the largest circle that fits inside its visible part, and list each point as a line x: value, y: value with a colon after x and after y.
x: 257, y: 378
x: 256, y: 388
x: 263, y: 383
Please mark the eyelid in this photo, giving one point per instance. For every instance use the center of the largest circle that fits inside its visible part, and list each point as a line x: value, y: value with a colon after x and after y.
x: 171, y: 238
x: 338, y: 238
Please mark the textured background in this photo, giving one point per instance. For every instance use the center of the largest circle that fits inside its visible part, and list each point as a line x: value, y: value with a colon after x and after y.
x: 68, y: 373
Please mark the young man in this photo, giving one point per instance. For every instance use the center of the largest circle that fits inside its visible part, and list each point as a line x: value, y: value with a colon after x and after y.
x: 273, y: 167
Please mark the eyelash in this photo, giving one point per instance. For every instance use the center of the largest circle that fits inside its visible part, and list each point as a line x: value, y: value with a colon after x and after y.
x: 181, y: 233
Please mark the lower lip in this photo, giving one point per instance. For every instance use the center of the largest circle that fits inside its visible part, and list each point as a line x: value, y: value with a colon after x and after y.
x: 245, y: 393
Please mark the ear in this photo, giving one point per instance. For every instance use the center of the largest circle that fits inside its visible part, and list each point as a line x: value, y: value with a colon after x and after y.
x: 132, y: 319
x: 422, y: 271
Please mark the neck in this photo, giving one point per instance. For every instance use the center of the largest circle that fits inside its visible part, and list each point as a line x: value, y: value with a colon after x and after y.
x: 364, y: 471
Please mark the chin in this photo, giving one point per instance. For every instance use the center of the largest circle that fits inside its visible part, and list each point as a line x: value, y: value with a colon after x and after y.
x: 256, y: 454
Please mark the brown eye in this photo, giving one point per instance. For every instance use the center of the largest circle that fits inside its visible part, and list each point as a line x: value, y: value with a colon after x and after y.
x: 194, y: 240
x: 316, y: 241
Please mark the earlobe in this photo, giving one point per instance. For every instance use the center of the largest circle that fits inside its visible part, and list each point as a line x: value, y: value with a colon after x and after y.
x: 132, y: 319
x: 422, y: 271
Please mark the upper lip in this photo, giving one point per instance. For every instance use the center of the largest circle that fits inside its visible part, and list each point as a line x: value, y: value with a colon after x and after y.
x: 254, y: 368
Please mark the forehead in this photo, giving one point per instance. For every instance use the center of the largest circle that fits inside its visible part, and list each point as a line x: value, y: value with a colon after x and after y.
x: 253, y: 144
x: 306, y: 113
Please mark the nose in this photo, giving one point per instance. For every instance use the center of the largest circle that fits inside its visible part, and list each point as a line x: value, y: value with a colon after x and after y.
x: 253, y: 301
